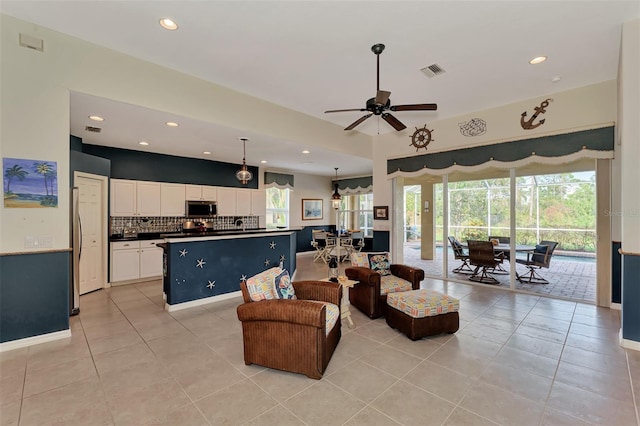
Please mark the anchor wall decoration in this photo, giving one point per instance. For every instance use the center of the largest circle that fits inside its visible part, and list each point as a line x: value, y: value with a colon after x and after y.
x: 528, y: 125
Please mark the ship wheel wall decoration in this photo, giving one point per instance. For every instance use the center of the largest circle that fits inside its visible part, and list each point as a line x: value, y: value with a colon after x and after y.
x: 421, y: 138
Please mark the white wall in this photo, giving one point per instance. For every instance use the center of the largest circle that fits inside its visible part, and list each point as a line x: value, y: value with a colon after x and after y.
x: 34, y: 112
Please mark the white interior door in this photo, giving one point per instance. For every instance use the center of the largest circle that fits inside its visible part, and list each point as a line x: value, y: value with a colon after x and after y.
x: 91, y: 271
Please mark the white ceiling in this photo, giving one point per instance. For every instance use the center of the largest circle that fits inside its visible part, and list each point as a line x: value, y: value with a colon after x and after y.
x: 311, y: 56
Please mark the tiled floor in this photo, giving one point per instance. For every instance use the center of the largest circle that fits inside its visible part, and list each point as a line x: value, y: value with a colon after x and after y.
x: 516, y: 360
x: 568, y: 278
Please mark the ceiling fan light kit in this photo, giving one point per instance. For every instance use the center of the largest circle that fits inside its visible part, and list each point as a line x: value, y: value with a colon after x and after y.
x: 380, y: 104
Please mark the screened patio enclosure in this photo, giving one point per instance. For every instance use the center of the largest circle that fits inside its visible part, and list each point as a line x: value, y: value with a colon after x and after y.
x: 557, y: 207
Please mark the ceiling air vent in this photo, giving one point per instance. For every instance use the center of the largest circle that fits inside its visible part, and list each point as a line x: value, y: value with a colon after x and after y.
x: 433, y: 70
x: 93, y: 129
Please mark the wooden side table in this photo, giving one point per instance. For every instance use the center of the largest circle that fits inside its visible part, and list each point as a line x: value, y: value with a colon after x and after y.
x: 345, y: 313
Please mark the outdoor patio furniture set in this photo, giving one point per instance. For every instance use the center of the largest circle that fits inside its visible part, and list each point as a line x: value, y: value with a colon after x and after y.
x: 488, y: 257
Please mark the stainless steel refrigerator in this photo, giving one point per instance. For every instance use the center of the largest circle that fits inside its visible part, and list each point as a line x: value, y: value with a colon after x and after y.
x: 76, y: 244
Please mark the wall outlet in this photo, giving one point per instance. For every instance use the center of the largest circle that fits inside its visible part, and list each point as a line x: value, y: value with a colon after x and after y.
x: 41, y: 241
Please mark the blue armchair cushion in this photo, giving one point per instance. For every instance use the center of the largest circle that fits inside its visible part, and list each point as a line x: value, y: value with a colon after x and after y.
x: 539, y: 253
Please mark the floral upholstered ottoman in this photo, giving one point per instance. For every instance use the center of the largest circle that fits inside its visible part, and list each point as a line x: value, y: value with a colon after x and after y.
x: 421, y: 313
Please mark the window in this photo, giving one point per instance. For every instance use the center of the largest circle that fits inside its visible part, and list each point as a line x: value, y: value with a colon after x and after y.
x: 356, y: 212
x: 277, y: 208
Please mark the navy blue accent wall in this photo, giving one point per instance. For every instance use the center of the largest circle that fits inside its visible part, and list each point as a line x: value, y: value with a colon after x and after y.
x: 34, y: 294
x: 138, y: 165
x: 226, y: 261
x: 630, y: 297
x: 80, y: 162
x: 616, y: 272
x: 75, y: 143
x: 303, y: 237
x: 380, y: 241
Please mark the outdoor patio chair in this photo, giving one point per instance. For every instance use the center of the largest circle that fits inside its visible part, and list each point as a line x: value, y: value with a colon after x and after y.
x: 502, y: 240
x: 539, y: 258
x: 459, y: 254
x: 483, y: 257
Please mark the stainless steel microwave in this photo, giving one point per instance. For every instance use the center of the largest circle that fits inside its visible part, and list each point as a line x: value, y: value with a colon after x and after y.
x: 201, y: 208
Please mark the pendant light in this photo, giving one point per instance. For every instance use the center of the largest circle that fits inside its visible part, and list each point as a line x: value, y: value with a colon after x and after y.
x: 244, y: 175
x: 335, y: 198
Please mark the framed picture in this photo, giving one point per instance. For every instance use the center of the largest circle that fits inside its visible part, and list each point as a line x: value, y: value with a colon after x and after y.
x: 311, y: 208
x: 381, y: 212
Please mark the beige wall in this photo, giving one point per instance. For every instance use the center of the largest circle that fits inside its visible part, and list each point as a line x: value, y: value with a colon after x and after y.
x: 34, y: 112
x: 578, y: 109
x: 629, y: 86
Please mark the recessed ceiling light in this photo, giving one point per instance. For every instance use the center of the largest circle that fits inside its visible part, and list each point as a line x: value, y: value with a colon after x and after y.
x: 143, y: 143
x: 556, y: 79
x: 538, y: 60
x: 263, y: 162
x: 171, y: 124
x: 206, y: 152
x: 96, y: 118
x: 305, y: 152
x: 168, y: 24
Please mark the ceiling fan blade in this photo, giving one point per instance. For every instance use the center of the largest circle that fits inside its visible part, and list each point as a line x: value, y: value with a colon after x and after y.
x: 414, y: 107
x: 382, y: 97
x: 395, y: 123
x: 358, y: 121
x: 345, y: 110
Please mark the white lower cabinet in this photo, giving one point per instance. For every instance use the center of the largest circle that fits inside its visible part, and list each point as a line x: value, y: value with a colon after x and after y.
x: 135, y: 260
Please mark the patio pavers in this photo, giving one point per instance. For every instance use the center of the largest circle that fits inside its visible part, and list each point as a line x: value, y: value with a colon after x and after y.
x: 575, y: 280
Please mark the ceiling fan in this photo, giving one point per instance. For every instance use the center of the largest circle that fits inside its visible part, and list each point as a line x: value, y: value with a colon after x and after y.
x: 381, y: 103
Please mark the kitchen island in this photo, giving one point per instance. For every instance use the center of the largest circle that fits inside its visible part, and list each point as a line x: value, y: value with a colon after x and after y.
x: 205, y: 267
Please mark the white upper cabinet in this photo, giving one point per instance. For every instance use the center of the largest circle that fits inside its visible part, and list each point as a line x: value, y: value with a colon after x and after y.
x: 148, y: 198
x: 201, y: 192
x: 135, y: 198
x: 172, y: 197
x: 226, y: 201
x: 243, y: 202
x: 258, y: 202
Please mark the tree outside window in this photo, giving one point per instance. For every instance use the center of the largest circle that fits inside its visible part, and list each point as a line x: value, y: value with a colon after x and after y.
x: 277, y: 208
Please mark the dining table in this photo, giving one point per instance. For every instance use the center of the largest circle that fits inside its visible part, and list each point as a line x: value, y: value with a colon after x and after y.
x: 506, y: 248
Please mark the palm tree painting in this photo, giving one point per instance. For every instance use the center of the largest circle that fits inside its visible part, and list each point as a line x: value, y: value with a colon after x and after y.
x: 30, y: 183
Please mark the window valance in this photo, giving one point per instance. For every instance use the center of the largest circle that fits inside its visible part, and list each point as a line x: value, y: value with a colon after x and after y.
x: 361, y: 185
x: 594, y: 143
x: 278, y: 180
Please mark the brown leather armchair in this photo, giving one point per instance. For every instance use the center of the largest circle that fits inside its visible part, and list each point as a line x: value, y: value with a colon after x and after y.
x: 289, y: 334
x: 366, y: 295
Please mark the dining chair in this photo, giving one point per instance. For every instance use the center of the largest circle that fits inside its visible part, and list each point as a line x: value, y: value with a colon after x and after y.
x: 483, y: 257
x: 459, y: 254
x: 318, y: 241
x: 539, y: 258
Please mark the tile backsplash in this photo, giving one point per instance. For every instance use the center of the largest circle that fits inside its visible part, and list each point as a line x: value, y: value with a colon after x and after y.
x: 174, y: 223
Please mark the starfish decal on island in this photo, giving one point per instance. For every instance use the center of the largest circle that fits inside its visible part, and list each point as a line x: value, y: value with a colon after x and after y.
x: 183, y: 252
x: 201, y: 263
x: 272, y: 245
x: 267, y: 262
x: 243, y: 278
x: 211, y: 285
x: 282, y: 258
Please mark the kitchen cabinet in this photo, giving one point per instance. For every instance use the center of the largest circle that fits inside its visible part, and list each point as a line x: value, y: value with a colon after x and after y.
x: 201, y: 192
x: 172, y: 197
x: 243, y: 202
x: 258, y: 202
x: 135, y: 260
x: 226, y: 201
x: 135, y: 198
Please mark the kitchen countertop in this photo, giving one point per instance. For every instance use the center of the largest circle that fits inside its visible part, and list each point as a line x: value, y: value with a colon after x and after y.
x: 160, y: 235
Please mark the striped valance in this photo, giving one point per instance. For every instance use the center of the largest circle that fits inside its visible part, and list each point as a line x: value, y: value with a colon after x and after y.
x: 278, y: 180
x: 594, y: 143
x: 361, y: 185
